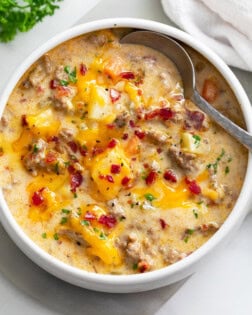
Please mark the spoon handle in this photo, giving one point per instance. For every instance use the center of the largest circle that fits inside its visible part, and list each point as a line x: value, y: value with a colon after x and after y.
x: 237, y: 132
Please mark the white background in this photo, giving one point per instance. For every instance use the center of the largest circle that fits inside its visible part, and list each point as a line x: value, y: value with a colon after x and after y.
x: 221, y: 286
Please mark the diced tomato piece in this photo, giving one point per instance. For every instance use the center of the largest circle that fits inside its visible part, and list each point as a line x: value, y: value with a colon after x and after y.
x: 108, y: 220
x: 193, y: 186
x: 114, y: 95
x: 115, y: 168
x: 151, y: 178
x: 210, y: 90
x: 170, y: 176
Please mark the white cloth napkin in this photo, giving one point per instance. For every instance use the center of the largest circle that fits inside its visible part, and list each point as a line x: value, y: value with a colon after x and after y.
x: 223, y: 25
x: 13, y: 53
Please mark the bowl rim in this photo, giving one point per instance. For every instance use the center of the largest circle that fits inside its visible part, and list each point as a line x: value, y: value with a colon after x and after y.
x: 84, y: 278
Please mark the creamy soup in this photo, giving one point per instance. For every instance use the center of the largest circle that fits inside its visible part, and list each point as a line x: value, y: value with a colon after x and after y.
x: 107, y: 167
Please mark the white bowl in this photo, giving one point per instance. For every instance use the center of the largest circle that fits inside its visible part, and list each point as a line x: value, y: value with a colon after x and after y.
x: 157, y: 278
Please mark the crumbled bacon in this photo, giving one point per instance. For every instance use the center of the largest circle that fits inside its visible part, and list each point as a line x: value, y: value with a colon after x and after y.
x: 163, y: 223
x: 140, y: 134
x: 37, y: 197
x: 170, y: 176
x: 75, y: 180
x: 143, y: 266
x: 125, y: 136
x: 108, y: 220
x: 83, y: 150
x: 112, y: 143
x: 125, y: 181
x: 109, y: 178
x: 194, y: 119
x: 24, y: 122
x: 50, y: 157
x: 128, y: 75
x: 166, y: 113
x: 132, y: 124
x: 151, y: 178
x: 114, y: 95
x: 53, y: 84
x: 193, y: 186
x: 83, y: 69
x: 89, y: 216
x: 73, y: 145
x: 115, y: 168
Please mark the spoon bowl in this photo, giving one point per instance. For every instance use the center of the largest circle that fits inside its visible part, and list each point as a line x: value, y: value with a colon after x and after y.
x: 174, y: 51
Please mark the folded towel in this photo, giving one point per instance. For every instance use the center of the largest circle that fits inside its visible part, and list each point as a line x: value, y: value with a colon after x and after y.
x: 223, y: 25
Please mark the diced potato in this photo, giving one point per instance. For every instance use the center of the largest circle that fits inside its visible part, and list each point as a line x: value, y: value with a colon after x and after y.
x: 193, y: 144
x: 114, y: 66
x: 43, y: 124
x: 132, y: 146
x: 210, y: 193
x: 101, y: 168
x: 102, y: 247
x: 99, y: 106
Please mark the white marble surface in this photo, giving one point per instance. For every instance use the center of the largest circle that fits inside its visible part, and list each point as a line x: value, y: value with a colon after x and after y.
x: 222, y: 286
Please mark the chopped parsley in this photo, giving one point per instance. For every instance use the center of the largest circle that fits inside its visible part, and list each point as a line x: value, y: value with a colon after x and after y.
x: 63, y: 220
x: 66, y: 211
x: 56, y: 236
x: 64, y: 82
x: 188, y: 233
x: 216, y: 163
x: 197, y: 140
x: 44, y: 235
x: 227, y: 169
x: 135, y: 266
x: 149, y: 197
x: 85, y: 222
x: 35, y: 148
x: 195, y: 213
x: 102, y: 236
x: 71, y: 74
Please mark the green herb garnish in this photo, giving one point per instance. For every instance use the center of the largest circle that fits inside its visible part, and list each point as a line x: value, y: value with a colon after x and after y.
x: 44, y: 235
x: 149, y: 197
x: 196, y: 215
x: 21, y: 16
x: 63, y: 220
x: 56, y: 236
x: 102, y: 236
x: 35, y: 148
x: 227, y: 169
x: 216, y: 163
x: 135, y: 266
x: 197, y: 140
x: 66, y: 211
x: 71, y: 74
x: 85, y: 222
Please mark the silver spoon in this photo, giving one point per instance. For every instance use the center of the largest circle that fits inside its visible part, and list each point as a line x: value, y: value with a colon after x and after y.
x: 182, y: 60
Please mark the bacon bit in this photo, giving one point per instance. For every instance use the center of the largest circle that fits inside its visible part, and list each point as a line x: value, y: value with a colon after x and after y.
x: 71, y: 169
x: 109, y: 178
x: 196, y: 119
x: 89, y: 216
x: 140, y: 134
x: 165, y: 113
x: 210, y: 90
x: 159, y: 150
x: 128, y: 75
x: 96, y: 151
x: 163, y: 223
x: 115, y: 168
x: 50, y: 157
x: 193, y: 186
x: 125, y: 136
x: 143, y: 266
x: 114, y: 95
x: 154, y: 113
x: 108, y: 220
x: 139, y: 92
x: 53, y: 139
x: 62, y: 91
x: 83, y: 150
x: 146, y: 165
x: 125, y: 181
x: 24, y: 122
x: 170, y: 176
x: 73, y: 146
x: 151, y: 177
x: 110, y: 126
x: 83, y: 69
x: 53, y: 84
x: 75, y: 180
x: 132, y: 124
x: 37, y: 197
x: 112, y: 143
